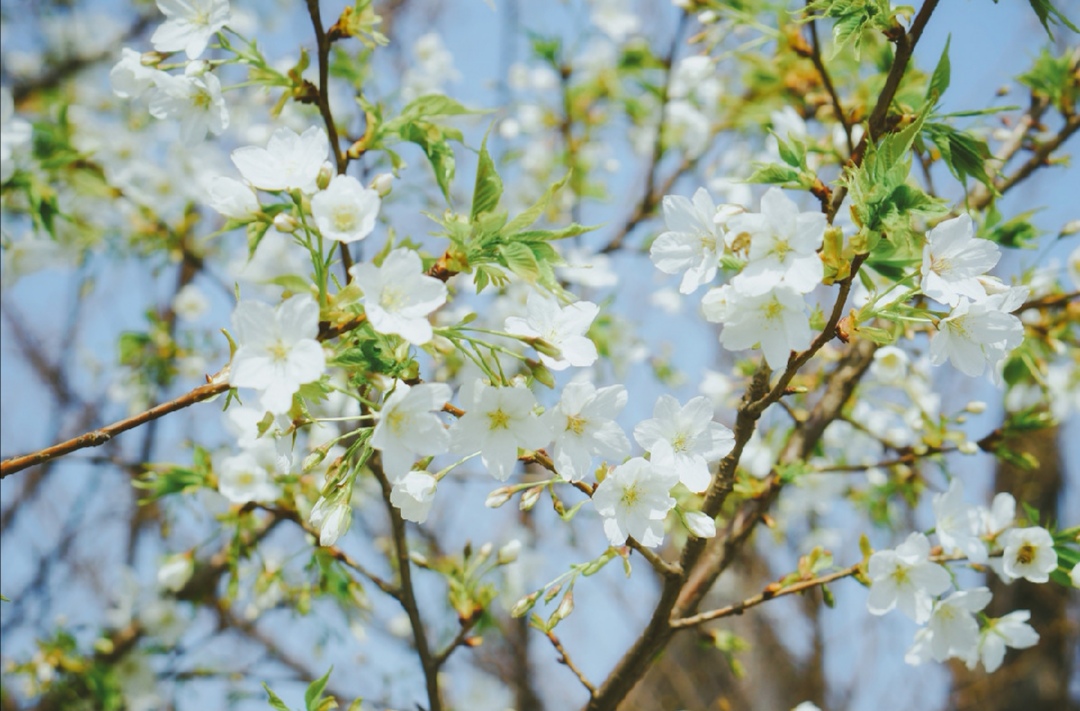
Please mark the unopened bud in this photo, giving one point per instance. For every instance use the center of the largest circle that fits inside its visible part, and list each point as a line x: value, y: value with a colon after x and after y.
x: 284, y: 222
x: 498, y: 497
x: 151, y: 59
x: 509, y: 552
x: 524, y: 604
x: 541, y: 373
x: 530, y: 497
x: 383, y: 184
x: 545, y: 347
x: 326, y: 174
x: 485, y: 551
x: 976, y: 406
x: 968, y: 447
x: 566, y: 606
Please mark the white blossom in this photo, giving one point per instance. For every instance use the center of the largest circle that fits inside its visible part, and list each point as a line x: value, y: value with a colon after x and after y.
x: 1029, y: 553
x: 906, y: 578
x: 333, y: 519
x: 690, y: 436
x: 189, y: 25
x: 776, y: 321
x: 634, y: 501
x: 692, y: 243
x: 175, y: 571
x: 346, y: 210
x: 976, y: 335
x: 954, y: 632
x: 958, y: 523
x: 583, y: 423
x: 15, y: 135
x: 232, y: 198
x: 408, y: 426
x: 245, y: 478
x: 500, y: 421
x: 1012, y: 630
x: 783, y: 246
x: 953, y: 259
x: 129, y: 77
x: 398, y: 296
x: 290, y: 161
x: 195, y: 101
x: 413, y: 495
x: 562, y: 327
x: 277, y: 351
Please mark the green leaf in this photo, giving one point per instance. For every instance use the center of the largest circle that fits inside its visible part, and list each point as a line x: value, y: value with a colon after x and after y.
x: 275, y: 701
x: 1050, y: 15
x: 774, y: 174
x: 314, y: 692
x: 434, y: 105
x: 489, y: 185
x: 518, y: 258
x: 432, y: 140
x: 939, y: 82
x: 533, y: 213
x: 963, y: 153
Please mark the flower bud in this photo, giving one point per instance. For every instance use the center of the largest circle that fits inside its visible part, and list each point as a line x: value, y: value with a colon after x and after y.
x: 175, y: 571
x: 326, y: 174
x: 524, y: 604
x: 284, y: 222
x: 968, y: 447
x: 530, y: 497
x: 976, y: 407
x: 700, y: 525
x: 196, y: 68
x: 498, y: 497
x: 383, y: 183
x: 509, y: 552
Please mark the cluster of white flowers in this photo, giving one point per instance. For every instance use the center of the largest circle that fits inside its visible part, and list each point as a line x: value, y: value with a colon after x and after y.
x: 980, y: 331
x: 906, y: 578
x: 193, y: 98
x: 764, y: 304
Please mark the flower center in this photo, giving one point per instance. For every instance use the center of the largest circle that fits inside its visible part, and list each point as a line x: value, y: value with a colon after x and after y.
x: 1026, y: 554
x: 772, y: 310
x: 498, y: 420
x: 345, y: 219
x: 782, y: 249
x: 279, y: 352
x: 630, y: 495
x: 575, y: 424
x: 396, y: 420
x: 392, y: 298
x: 679, y: 442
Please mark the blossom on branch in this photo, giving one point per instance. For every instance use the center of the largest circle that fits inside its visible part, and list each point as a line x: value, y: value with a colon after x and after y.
x: 398, y: 296
x: 408, y: 426
x: 290, y: 161
x: 634, y: 500
x: 276, y: 349
x: 189, y: 25
x: 690, y: 439
x: 562, y: 327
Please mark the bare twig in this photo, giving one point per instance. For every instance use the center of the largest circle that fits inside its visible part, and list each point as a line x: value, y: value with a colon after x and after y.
x: 764, y: 596
x: 564, y: 659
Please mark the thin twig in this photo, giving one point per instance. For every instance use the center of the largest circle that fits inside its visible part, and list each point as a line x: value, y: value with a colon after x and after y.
x: 764, y: 596
x: 341, y: 159
x: 564, y: 659
x: 819, y: 64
